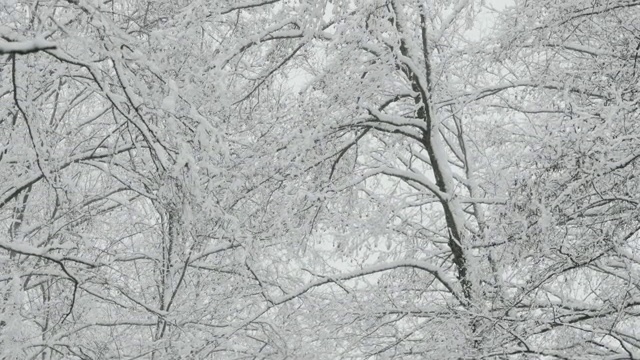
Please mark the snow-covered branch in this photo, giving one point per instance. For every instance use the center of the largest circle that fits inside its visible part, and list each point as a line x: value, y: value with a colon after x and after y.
x: 25, y: 46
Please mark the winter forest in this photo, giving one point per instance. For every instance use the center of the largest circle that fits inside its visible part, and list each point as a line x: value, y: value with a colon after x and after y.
x: 319, y: 179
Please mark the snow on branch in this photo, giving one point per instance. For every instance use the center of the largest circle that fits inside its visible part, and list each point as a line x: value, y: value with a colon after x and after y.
x: 248, y: 5
x: 436, y: 271
x: 26, y: 46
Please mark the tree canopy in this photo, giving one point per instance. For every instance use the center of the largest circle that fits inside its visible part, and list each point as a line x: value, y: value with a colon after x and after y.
x: 319, y: 179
